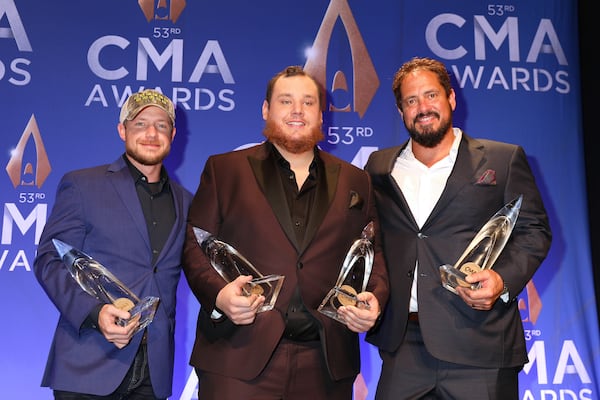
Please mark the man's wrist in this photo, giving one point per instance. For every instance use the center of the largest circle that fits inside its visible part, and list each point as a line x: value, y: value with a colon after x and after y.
x: 505, y: 295
x: 216, y: 314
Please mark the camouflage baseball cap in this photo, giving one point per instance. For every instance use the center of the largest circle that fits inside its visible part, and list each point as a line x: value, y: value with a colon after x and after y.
x: 138, y: 101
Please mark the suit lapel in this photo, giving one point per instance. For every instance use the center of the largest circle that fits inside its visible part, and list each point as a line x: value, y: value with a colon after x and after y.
x: 323, y: 198
x: 383, y: 172
x: 273, y: 190
x: 180, y: 218
x: 122, y: 181
x: 470, y: 154
x: 271, y: 186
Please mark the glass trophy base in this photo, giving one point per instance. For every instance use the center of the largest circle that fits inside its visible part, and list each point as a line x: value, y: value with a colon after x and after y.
x: 143, y: 311
x: 452, y: 277
x: 268, y: 286
x: 337, y: 297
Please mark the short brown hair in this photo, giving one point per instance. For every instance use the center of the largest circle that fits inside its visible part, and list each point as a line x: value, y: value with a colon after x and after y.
x: 417, y: 63
x: 294, y: 70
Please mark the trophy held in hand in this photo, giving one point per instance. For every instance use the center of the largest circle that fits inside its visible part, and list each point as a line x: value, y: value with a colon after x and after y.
x: 484, y: 249
x: 99, y: 282
x: 230, y: 264
x: 353, y: 277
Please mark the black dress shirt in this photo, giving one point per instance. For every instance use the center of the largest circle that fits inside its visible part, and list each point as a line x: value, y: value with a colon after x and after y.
x: 300, y: 324
x: 157, y: 204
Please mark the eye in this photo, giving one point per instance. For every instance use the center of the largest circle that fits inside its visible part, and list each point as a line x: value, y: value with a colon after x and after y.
x: 139, y: 125
x: 411, y: 101
x: 161, y: 126
x: 432, y: 95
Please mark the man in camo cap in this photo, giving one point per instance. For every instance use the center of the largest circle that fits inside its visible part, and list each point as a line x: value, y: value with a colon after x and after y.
x: 130, y: 217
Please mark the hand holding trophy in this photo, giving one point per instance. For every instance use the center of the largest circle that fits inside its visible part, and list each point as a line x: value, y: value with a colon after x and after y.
x: 230, y: 264
x: 99, y: 282
x: 484, y: 249
x: 353, y: 277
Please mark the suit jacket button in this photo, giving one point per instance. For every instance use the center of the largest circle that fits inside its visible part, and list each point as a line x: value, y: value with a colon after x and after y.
x: 299, y: 265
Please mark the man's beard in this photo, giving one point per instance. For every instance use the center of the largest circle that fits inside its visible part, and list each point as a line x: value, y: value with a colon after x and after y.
x: 143, y: 159
x: 429, y: 137
x: 293, y: 145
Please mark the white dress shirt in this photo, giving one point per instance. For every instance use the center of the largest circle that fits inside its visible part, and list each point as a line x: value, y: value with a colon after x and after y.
x: 422, y: 186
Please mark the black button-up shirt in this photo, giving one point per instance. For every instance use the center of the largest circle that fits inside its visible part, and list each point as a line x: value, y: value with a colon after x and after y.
x: 300, y: 324
x: 157, y: 204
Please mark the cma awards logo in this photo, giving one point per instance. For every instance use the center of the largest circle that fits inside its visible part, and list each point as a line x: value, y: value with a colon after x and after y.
x: 161, y: 11
x: 365, y: 77
x: 25, y: 173
x: 532, y: 305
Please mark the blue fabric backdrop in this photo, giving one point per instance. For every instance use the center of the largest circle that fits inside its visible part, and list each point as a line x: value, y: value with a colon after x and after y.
x: 66, y: 67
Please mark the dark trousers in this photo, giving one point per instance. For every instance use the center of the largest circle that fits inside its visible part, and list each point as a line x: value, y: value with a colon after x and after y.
x: 296, y: 371
x: 135, y: 386
x: 411, y: 373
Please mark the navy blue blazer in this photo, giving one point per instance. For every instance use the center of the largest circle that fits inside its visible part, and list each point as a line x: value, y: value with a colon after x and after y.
x: 97, y: 210
x: 453, y: 331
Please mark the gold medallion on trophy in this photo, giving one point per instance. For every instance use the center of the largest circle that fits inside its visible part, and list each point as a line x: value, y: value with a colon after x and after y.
x: 255, y: 289
x: 347, y: 296
x: 468, y: 268
x: 123, y: 303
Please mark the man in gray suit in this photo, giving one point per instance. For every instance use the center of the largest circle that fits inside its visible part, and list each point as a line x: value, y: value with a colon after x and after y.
x: 130, y: 217
x: 434, y: 192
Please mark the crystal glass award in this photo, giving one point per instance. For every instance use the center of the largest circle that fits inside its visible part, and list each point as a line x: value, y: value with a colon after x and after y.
x: 354, y: 276
x: 230, y: 264
x: 99, y: 282
x: 484, y: 249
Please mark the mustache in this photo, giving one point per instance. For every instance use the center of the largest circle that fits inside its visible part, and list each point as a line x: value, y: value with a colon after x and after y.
x: 426, y: 114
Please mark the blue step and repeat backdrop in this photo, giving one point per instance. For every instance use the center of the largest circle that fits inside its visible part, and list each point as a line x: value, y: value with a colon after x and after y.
x: 67, y: 66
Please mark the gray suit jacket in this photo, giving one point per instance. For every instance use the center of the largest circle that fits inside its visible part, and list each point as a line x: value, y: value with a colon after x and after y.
x: 452, y: 330
x: 97, y: 210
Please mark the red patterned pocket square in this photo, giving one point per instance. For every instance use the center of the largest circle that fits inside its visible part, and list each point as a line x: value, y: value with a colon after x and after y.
x: 488, y: 178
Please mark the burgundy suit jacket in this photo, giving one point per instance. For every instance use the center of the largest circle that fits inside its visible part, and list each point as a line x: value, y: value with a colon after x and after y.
x: 242, y: 202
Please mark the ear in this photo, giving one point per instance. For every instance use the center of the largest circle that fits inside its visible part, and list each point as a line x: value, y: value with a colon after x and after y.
x: 452, y: 99
x: 122, y: 131
x: 265, y: 110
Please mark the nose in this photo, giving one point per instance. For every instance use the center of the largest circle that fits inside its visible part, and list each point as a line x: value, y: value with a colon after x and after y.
x: 422, y: 103
x: 297, y: 108
x: 152, y: 130
x: 423, y: 107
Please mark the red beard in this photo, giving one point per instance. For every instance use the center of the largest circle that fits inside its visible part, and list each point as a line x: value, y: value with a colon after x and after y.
x: 293, y: 145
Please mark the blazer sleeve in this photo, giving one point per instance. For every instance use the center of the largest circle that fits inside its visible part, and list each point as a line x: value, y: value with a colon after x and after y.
x: 531, y: 238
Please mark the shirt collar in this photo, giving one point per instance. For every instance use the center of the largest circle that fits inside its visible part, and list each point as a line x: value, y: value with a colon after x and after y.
x: 408, y: 154
x: 139, y: 177
x: 285, y: 163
